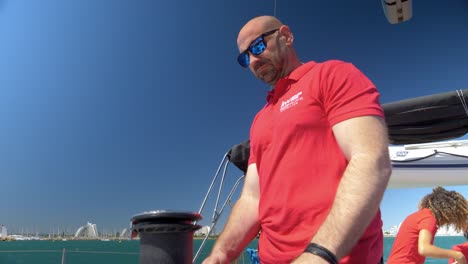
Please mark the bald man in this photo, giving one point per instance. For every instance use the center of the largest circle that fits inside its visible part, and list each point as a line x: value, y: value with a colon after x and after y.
x: 319, y: 161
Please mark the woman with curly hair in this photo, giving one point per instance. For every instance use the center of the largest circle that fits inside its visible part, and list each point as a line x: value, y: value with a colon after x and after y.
x: 415, y: 238
x: 463, y: 248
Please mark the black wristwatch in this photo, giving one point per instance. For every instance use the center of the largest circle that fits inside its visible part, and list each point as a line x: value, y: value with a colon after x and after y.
x: 321, y: 252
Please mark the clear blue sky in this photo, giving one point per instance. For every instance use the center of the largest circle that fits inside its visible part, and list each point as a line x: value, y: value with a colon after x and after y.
x: 114, y: 107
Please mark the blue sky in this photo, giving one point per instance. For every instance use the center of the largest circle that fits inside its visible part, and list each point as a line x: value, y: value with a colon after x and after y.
x: 114, y: 107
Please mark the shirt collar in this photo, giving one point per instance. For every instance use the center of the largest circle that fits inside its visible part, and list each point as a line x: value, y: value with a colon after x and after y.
x: 283, y: 84
x: 301, y: 70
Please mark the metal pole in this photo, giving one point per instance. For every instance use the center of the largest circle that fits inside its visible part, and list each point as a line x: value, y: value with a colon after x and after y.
x: 63, y: 256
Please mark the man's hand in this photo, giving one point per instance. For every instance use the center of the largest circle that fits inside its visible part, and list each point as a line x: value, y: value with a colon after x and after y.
x: 216, y: 258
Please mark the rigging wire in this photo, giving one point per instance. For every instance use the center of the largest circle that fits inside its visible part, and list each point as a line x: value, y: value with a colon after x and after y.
x: 462, y: 99
x: 274, y: 10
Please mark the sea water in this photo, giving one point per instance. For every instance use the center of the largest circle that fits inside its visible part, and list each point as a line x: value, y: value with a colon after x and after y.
x: 76, y: 252
x: 126, y: 251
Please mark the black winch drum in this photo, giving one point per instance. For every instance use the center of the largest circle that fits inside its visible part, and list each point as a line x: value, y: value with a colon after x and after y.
x: 166, y: 237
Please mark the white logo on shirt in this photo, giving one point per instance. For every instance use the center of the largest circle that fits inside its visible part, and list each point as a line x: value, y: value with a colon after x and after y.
x: 294, y: 100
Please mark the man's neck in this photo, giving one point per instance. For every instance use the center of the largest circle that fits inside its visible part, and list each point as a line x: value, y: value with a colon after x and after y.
x: 294, y: 64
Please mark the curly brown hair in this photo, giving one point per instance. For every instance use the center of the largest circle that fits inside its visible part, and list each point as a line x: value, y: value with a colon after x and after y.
x: 448, y: 207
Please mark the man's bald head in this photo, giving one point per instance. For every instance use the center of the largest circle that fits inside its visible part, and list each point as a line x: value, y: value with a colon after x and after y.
x: 275, y: 56
x: 254, y: 28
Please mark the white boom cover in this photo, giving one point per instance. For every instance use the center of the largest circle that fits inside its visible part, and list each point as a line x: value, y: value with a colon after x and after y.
x: 429, y: 165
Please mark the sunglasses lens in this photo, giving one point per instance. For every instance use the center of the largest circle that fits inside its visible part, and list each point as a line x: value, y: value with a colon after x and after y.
x: 243, y: 59
x: 258, y: 47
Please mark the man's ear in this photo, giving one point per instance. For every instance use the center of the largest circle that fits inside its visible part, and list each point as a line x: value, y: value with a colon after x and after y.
x: 287, y: 34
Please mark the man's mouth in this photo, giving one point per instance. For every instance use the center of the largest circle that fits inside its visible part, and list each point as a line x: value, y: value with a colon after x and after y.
x: 258, y: 66
x: 261, y: 70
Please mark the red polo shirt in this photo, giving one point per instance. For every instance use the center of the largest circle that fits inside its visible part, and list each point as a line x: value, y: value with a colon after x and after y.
x: 405, y: 246
x: 299, y: 161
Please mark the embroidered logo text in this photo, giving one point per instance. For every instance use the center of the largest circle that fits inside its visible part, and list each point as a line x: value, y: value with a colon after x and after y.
x: 294, y: 100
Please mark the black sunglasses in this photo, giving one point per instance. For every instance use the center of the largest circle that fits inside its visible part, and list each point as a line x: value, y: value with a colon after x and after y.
x: 256, y: 47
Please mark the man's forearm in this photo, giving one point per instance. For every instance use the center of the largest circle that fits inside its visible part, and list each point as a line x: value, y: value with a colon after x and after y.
x: 241, y: 227
x: 356, y: 203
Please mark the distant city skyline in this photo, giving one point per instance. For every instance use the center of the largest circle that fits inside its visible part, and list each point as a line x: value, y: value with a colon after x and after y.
x: 89, y: 230
x: 442, y: 231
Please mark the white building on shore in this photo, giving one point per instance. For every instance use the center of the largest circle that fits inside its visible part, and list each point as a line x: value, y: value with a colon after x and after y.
x: 3, y: 231
x: 203, y: 231
x: 125, y: 234
x: 392, y: 231
x: 448, y: 231
x: 89, y: 230
x: 442, y: 231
